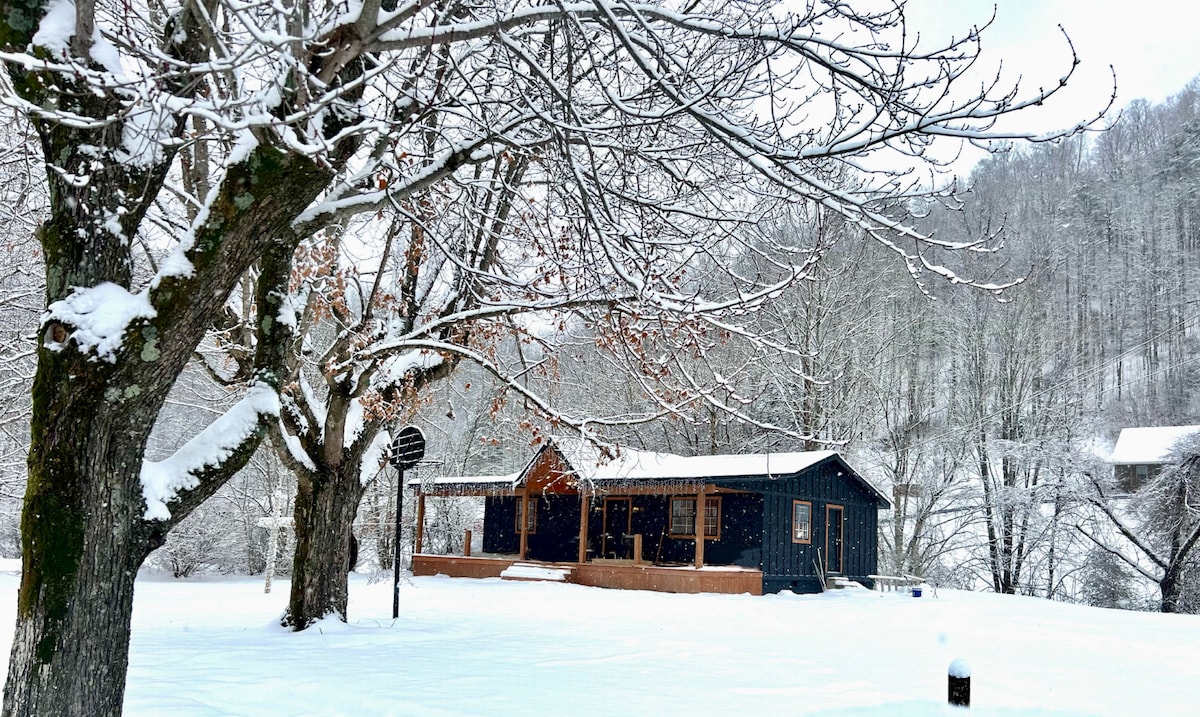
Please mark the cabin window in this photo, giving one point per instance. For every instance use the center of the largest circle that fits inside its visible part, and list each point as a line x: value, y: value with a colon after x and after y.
x: 801, y: 521
x: 683, y: 518
x: 533, y: 512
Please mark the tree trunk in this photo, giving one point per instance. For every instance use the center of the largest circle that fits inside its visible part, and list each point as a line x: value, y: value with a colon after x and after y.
x: 83, y: 538
x: 1171, y: 589
x: 325, y: 508
x: 65, y: 676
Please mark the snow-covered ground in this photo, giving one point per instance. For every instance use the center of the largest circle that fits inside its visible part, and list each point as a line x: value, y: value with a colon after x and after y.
x: 210, y: 646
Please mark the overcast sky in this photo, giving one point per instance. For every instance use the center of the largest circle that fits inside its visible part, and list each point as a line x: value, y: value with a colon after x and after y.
x: 1154, y: 45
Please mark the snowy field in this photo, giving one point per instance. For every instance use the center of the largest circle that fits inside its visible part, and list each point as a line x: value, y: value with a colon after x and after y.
x: 209, y: 646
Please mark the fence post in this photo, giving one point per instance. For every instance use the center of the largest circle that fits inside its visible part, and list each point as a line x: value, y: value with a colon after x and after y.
x: 959, y: 687
x: 467, y: 545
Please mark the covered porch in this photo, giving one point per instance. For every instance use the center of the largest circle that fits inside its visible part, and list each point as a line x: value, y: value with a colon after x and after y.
x: 638, y: 535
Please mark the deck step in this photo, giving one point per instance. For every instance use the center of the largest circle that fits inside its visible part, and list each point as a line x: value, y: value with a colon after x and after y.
x: 532, y: 571
x: 838, y: 582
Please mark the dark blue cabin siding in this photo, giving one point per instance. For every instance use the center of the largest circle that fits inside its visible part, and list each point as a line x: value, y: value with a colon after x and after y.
x: 741, y: 532
x: 740, y: 540
x: 499, y: 521
x: 556, y: 538
x: 788, y: 565
x: 756, y: 527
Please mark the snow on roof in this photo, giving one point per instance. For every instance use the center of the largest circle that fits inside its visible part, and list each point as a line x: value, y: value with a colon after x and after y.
x: 633, y: 464
x: 506, y: 479
x: 1148, y: 444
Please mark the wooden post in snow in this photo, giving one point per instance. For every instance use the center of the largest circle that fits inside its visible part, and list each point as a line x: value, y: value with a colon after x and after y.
x: 524, y: 522
x: 467, y: 545
x: 420, y: 544
x: 583, y: 525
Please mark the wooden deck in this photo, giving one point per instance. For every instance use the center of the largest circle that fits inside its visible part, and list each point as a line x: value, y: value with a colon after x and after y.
x: 620, y: 575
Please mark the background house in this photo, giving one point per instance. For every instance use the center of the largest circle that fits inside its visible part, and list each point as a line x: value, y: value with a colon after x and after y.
x: 1141, y: 453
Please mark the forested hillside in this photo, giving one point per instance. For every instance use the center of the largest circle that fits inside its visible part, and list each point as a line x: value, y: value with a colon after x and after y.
x: 985, y: 415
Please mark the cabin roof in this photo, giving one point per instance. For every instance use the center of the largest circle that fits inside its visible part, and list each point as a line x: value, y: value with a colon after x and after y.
x: 1149, y: 445
x: 632, y: 466
x: 506, y: 480
x: 636, y: 465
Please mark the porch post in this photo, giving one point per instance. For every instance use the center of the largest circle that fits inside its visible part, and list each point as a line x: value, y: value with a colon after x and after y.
x: 524, y: 522
x: 420, y: 543
x: 583, y: 525
x: 700, y: 526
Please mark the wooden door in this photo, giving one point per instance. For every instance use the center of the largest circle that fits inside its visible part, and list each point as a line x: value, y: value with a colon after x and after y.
x: 617, y: 514
x: 833, y: 538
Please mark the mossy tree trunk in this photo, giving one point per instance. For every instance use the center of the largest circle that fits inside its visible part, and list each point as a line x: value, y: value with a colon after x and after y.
x: 325, y: 508
x: 327, y: 498
x: 84, y: 530
x: 84, y: 525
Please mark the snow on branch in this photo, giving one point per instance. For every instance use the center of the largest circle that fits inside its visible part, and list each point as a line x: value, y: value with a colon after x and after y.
x: 163, y: 480
x: 100, y: 316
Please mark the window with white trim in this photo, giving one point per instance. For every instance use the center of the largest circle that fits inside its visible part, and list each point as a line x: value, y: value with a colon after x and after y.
x: 801, y: 521
x: 533, y: 513
x: 683, y: 518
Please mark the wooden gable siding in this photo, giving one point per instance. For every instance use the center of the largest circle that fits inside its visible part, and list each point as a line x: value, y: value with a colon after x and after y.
x: 788, y: 565
x: 549, y: 473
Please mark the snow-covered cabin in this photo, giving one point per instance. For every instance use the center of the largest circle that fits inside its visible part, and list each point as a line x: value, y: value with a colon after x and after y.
x: 770, y: 522
x: 1141, y: 453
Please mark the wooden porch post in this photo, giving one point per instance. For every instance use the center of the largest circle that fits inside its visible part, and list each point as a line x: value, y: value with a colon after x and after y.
x: 700, y: 526
x: 583, y: 525
x: 524, y: 522
x: 420, y: 543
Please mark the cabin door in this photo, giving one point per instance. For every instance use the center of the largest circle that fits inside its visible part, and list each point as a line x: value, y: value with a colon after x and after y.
x: 617, y: 513
x: 833, y: 538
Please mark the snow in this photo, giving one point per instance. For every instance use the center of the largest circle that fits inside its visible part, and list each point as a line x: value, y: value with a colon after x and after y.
x: 632, y: 464
x: 210, y: 646
x: 960, y: 668
x: 646, y: 465
x: 1148, y: 444
x: 525, y: 571
x: 162, y: 480
x: 431, y: 484
x: 58, y: 27
x: 100, y: 315
x: 374, y: 457
x: 296, y: 450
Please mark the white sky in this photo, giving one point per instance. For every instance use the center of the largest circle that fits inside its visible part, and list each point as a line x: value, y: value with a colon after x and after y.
x: 1152, y: 45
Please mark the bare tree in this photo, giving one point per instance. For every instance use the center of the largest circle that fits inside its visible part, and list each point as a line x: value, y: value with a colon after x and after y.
x: 1160, y: 524
x: 640, y: 117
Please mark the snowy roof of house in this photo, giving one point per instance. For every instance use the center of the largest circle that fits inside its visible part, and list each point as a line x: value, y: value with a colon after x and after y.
x: 508, y: 479
x: 1153, y: 444
x: 634, y: 465
x: 631, y: 466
